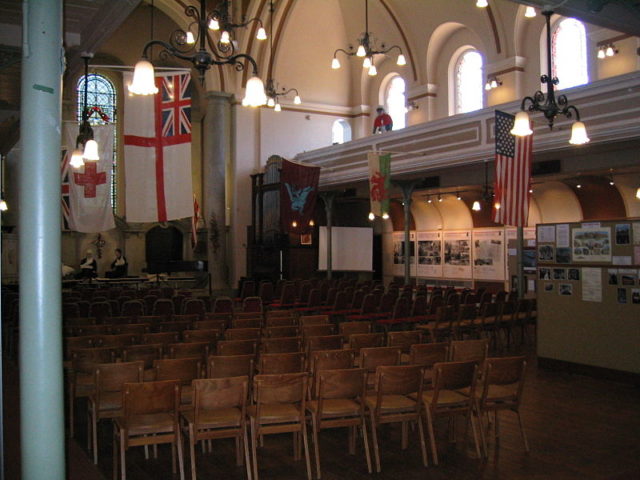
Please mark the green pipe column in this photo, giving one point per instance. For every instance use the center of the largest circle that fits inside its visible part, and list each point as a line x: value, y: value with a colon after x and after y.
x: 407, y: 190
x: 41, y: 378
x: 327, y: 198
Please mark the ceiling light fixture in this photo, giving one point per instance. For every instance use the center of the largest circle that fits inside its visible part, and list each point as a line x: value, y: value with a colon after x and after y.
x: 530, y: 12
x: 476, y: 206
x: 272, y: 89
x: 482, y: 3
x: 222, y: 52
x: 372, y: 217
x: 368, y: 49
x: 547, y: 104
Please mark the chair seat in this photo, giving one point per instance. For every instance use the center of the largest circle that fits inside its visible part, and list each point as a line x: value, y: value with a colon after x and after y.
x: 335, y: 407
x: 446, y: 398
x: 276, y: 413
x: 496, y: 393
x: 146, y: 424
x: 391, y: 403
x: 217, y: 418
x: 109, y: 401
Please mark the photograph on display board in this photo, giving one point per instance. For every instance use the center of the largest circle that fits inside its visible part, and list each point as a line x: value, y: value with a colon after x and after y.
x: 546, y: 253
x: 548, y: 287
x: 563, y: 255
x: 591, y: 244
x: 429, y: 252
x: 529, y: 259
x: 623, y: 234
x: 635, y: 296
x: 488, y: 254
x: 622, y: 295
x: 613, y: 276
x: 398, y: 251
x: 565, y: 289
x: 559, y: 274
x: 457, y: 252
x: 545, y: 274
x: 628, y: 277
x: 573, y: 274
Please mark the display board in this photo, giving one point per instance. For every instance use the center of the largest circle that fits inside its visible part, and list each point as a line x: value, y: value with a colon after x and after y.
x: 488, y: 254
x: 429, y: 254
x: 589, y: 293
x: 398, y: 253
x: 352, y: 249
x: 457, y: 254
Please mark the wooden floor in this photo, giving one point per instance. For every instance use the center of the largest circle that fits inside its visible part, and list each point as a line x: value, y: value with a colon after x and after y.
x: 578, y: 428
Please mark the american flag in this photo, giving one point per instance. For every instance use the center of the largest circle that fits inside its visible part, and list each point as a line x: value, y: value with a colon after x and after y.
x: 512, y: 173
x: 64, y: 199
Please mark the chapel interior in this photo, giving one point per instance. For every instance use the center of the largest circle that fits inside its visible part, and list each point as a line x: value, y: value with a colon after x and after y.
x: 569, y: 326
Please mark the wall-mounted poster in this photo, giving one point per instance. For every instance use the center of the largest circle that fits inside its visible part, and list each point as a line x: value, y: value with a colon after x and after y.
x: 488, y: 254
x: 457, y: 255
x: 592, y: 244
x: 398, y: 253
x: 429, y: 254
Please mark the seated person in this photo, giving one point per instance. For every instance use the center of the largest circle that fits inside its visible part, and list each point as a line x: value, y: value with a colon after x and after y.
x: 119, y: 266
x: 88, y: 266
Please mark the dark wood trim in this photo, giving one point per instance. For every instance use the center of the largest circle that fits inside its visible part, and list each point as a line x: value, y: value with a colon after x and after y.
x: 422, y: 95
x: 506, y: 70
x: 494, y: 28
x: 404, y: 39
x: 618, y: 38
x: 589, y: 370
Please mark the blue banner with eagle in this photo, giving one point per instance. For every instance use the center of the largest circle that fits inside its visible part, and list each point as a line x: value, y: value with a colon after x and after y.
x: 298, y: 195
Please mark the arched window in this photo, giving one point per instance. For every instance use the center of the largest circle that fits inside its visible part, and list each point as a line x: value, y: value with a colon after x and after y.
x: 569, y: 53
x: 395, y: 102
x: 468, y: 81
x: 340, y: 132
x: 100, y: 93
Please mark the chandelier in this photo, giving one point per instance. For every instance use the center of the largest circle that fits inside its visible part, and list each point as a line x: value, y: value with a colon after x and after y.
x: 548, y: 104
x: 191, y: 46
x: 89, y: 150
x: 367, y: 48
x: 273, y: 92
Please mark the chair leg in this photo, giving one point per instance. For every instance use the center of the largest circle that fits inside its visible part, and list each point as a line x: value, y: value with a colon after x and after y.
x: 423, y: 446
x: 316, y: 448
x: 432, y: 437
x: 352, y: 440
x: 475, y: 434
x: 374, y: 435
x: 192, y: 450
x: 116, y: 446
x: 405, y: 436
x: 238, y: 452
x: 94, y: 434
x: 524, y: 435
x: 483, y: 439
x: 123, y: 460
x: 254, y: 449
x: 178, y: 441
x: 247, y: 458
x: 365, y: 440
x: 305, y: 442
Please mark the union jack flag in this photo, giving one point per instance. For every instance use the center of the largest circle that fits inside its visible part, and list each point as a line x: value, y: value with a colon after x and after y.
x: 64, y: 199
x: 176, y: 105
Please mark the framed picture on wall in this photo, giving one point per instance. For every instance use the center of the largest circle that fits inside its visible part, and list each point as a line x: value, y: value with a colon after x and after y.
x: 306, y: 239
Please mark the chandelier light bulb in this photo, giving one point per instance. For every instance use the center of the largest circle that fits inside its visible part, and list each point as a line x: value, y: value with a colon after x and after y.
x: 91, y: 151
x: 487, y: 86
x: 609, y: 52
x: 312, y: 223
x: 638, y: 193
x: 372, y: 217
x: 601, y: 53
x: 3, y: 206
x: 143, y: 79
x: 271, y: 102
x: 521, y: 126
x: 335, y: 63
x: 530, y: 12
x: 225, y: 38
x: 214, y: 24
x: 245, y: 102
x: 401, y: 60
x: 373, y: 71
x: 366, y: 63
x: 277, y: 108
x: 190, y: 38
x: 294, y: 224
x: 429, y: 200
x: 439, y: 198
x: 262, y: 34
x: 385, y: 216
x: 482, y: 3
x: 76, y: 159
x: 361, y: 52
x: 494, y: 83
x: 297, y: 100
x: 254, y: 92
x: 496, y: 206
x: 476, y: 206
x: 578, y: 134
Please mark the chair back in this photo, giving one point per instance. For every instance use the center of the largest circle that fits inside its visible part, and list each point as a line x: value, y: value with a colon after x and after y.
x: 419, y: 306
x: 399, y: 380
x: 111, y: 377
x: 349, y: 328
x: 281, y: 344
x: 181, y: 369
x: 387, y: 302
x: 507, y: 373
x: 404, y: 339
x: 163, y: 306
x: 142, y: 353
x: 149, y: 398
x: 132, y: 308
x: 331, y: 359
x: 454, y: 376
x: 324, y: 342
x: 358, y: 341
x: 349, y: 383
x: 219, y: 325
x: 358, y: 298
x: 372, y: 358
x: 436, y: 302
x: 194, y: 306
x: 248, y: 289
x: 469, y: 350
x: 252, y: 304
x: 223, y: 366
x: 279, y: 332
x: 284, y: 321
x: 236, y: 347
x: 402, y: 308
x: 246, y: 322
x: 276, y: 363
x: 189, y: 350
x: 219, y: 393
x: 370, y: 303
x: 428, y: 354
x: 211, y: 336
x: 242, y: 333
x: 223, y: 305
x: 318, y: 330
x: 265, y: 292
x: 164, y: 338
x: 307, y: 320
x: 279, y: 389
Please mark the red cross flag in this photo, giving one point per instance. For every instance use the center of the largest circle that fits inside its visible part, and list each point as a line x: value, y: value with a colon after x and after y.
x: 157, y: 151
x: 89, y: 187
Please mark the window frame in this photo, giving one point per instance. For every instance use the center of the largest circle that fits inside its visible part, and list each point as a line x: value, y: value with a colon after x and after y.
x: 454, y: 67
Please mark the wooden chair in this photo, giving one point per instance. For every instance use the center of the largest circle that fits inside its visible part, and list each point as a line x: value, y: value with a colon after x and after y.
x: 252, y: 304
x: 306, y: 320
x: 276, y: 363
x: 132, y: 308
x: 73, y: 343
x: 323, y: 342
x: 441, y: 328
x: 255, y: 322
x: 374, y: 357
x: 146, y: 354
x: 223, y: 366
x: 350, y: 328
x: 198, y: 350
x: 339, y: 403
x: 150, y: 417
x: 164, y: 307
x: 106, y: 400
x: 194, y: 306
x: 469, y: 350
x: 465, y: 324
x: 357, y: 341
x: 328, y: 360
x: 279, y: 408
x: 242, y: 334
x: 281, y: 345
x: 219, y: 412
x: 223, y: 305
x: 173, y: 326
x: 220, y: 325
x: 236, y: 347
x: 501, y: 389
x: 453, y: 393
x: 427, y: 355
x: 284, y: 321
x: 396, y: 399
x: 183, y: 370
x: 317, y: 330
x: 278, y: 332
x: 131, y: 328
x: 163, y: 338
x: 81, y: 376
x: 211, y: 336
x: 404, y: 340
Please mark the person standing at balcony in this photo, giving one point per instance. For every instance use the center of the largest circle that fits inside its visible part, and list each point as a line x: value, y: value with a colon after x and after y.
x: 383, y: 122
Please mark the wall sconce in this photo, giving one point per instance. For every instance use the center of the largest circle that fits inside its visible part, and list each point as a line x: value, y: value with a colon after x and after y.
x: 530, y: 12
x: 492, y: 82
x: 608, y: 50
x: 482, y: 3
x: 638, y: 193
x: 412, y: 105
x: 476, y: 206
